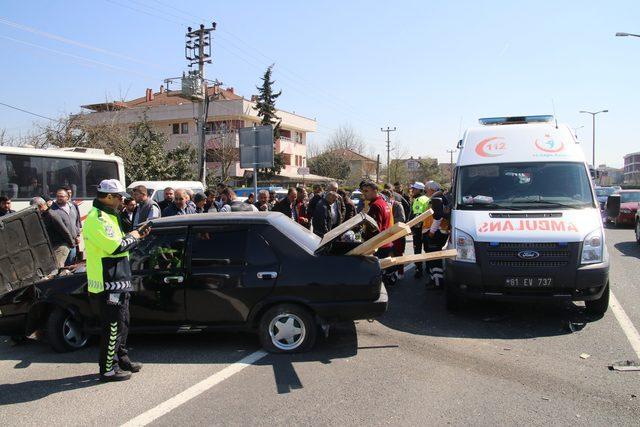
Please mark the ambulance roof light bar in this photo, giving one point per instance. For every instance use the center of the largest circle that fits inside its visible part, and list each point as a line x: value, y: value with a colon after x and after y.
x: 493, y: 121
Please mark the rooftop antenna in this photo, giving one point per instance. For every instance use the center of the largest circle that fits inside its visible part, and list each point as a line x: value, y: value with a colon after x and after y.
x: 553, y: 105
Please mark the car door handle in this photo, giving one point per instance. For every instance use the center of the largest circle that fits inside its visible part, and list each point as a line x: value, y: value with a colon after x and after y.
x: 267, y: 275
x: 173, y: 279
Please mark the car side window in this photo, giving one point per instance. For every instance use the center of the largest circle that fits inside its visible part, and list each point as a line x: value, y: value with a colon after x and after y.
x: 211, y: 247
x: 259, y: 253
x: 162, y: 250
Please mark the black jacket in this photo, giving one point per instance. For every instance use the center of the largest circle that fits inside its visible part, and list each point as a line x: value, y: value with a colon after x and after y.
x: 284, y: 206
x: 125, y: 222
x: 321, y: 219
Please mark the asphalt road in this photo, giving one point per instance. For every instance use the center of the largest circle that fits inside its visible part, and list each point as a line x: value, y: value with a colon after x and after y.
x: 516, y: 364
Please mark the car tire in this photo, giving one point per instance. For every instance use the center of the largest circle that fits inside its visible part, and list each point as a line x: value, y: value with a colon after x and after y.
x: 452, y: 300
x: 638, y: 231
x: 287, y: 328
x: 599, y: 306
x: 64, y: 332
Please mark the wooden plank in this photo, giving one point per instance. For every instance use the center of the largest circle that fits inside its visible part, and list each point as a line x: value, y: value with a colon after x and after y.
x: 409, y: 259
x: 358, y: 219
x: 420, y: 218
x: 389, y: 235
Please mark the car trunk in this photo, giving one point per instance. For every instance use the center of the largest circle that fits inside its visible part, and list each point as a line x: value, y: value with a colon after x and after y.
x: 330, y: 243
x: 26, y: 255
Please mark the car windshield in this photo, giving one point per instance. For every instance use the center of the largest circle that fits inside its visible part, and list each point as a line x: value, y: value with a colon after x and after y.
x: 630, y: 197
x: 517, y: 186
x: 297, y: 233
x: 605, y: 191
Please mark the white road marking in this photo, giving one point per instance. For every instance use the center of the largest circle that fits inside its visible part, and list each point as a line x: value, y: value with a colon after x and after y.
x: 625, y: 323
x: 194, y: 391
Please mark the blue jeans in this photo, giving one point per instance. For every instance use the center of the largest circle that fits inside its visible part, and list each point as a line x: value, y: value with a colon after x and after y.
x: 72, y: 256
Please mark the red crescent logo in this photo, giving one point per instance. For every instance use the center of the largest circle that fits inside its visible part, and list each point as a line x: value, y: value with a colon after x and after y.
x: 498, y: 147
x: 550, y: 150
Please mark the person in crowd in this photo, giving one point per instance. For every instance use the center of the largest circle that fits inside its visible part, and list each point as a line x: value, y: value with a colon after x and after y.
x: 147, y: 208
x: 322, y: 214
x: 435, y: 231
x: 287, y: 206
x: 400, y: 244
x: 380, y: 211
x: 333, y: 186
x: 169, y: 194
x: 35, y: 189
x: 313, y: 201
x: 251, y: 199
x: 59, y: 236
x: 190, y: 194
x: 5, y: 206
x: 398, y: 198
x: 70, y: 216
x: 232, y: 204
x: 301, y: 206
x: 209, y: 205
x: 349, y: 207
x: 180, y: 205
x: 399, y: 188
x: 200, y: 200
x: 263, y: 201
x: 272, y: 199
x: 109, y: 279
x: 127, y: 213
x: 419, y: 204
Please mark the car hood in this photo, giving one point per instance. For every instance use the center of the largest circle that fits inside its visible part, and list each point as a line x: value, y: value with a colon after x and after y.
x: 532, y: 226
x: 357, y: 220
x: 26, y: 255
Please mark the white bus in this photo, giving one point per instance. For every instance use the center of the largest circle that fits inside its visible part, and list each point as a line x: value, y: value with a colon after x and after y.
x: 31, y: 172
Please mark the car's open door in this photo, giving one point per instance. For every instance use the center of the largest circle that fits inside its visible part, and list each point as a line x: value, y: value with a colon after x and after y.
x: 26, y: 255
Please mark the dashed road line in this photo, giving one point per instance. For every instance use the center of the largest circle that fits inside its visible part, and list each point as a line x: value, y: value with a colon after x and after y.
x: 194, y: 391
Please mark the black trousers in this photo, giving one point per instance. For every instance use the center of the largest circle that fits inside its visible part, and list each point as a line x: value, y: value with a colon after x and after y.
x: 435, y: 267
x: 113, y: 309
x: 418, y: 245
x: 389, y: 276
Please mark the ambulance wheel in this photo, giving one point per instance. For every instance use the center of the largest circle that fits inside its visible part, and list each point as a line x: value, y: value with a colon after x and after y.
x: 599, y: 306
x: 64, y: 332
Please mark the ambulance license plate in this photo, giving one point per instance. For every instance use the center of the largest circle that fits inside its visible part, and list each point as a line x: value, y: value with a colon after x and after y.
x: 528, y: 282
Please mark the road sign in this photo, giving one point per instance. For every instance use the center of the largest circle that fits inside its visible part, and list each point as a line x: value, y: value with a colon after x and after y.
x: 256, y: 147
x: 303, y: 171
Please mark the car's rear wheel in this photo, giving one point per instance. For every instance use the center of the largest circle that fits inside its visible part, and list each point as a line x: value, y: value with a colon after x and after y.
x: 65, y: 332
x: 599, y: 306
x: 287, y: 328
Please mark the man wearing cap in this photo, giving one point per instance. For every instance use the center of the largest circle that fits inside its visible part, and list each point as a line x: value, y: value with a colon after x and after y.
x: 419, y: 204
x: 109, y: 278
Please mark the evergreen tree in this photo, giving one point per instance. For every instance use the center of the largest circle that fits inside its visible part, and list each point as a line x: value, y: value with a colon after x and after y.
x: 266, y: 108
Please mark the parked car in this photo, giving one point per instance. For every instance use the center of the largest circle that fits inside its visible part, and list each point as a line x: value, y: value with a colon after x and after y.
x: 253, y: 271
x: 626, y: 215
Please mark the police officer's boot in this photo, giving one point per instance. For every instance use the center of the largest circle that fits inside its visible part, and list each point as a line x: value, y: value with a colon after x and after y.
x: 115, y: 374
x: 127, y: 365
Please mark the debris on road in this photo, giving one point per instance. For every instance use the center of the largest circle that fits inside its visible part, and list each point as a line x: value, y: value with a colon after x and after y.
x: 576, y: 326
x: 625, y: 365
x: 585, y: 356
x: 545, y: 398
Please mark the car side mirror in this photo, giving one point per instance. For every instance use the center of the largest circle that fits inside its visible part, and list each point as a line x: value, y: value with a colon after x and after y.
x: 613, y: 205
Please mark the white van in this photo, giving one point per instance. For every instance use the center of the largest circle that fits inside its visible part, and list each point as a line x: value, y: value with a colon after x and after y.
x: 525, y: 220
x: 155, y: 189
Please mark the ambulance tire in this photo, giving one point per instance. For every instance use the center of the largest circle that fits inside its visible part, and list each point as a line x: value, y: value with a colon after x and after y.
x: 453, y: 301
x: 599, y: 306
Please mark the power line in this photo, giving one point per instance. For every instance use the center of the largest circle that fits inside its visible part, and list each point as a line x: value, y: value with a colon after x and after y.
x: 28, y: 112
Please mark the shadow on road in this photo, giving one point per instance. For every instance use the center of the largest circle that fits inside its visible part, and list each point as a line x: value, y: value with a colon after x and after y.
x: 631, y: 248
x: 203, y: 348
x: 418, y: 311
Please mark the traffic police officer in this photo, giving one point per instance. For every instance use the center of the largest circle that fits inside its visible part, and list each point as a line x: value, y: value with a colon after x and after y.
x: 109, y: 278
x: 419, y: 204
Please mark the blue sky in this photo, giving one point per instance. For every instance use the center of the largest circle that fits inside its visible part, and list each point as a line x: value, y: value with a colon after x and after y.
x: 427, y: 67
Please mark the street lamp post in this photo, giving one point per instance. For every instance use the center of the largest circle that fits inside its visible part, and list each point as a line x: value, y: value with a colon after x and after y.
x: 593, y: 124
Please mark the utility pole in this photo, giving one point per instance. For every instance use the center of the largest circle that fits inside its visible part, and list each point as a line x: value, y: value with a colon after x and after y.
x: 388, y: 130
x: 197, y: 50
x: 451, y: 162
x: 378, y: 169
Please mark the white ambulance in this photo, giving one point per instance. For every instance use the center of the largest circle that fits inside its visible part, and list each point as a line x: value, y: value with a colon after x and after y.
x: 525, y: 219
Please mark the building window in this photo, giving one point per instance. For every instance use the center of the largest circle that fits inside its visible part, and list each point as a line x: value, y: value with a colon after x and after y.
x: 287, y: 159
x: 184, y: 128
x: 175, y: 128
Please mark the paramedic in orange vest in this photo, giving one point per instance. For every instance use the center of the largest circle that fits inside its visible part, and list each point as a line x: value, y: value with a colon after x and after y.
x: 435, y: 232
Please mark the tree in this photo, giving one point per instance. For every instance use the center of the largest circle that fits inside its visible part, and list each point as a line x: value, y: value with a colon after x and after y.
x: 345, y: 137
x: 430, y: 170
x: 266, y: 108
x: 330, y: 164
x: 224, y: 151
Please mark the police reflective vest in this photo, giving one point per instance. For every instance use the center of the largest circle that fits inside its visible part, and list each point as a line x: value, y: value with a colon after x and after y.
x: 106, y: 249
x: 420, y: 205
